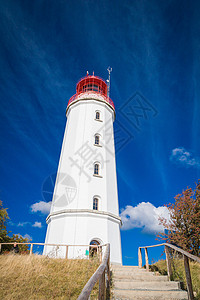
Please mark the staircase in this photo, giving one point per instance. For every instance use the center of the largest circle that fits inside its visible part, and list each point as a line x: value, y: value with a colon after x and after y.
x: 130, y: 282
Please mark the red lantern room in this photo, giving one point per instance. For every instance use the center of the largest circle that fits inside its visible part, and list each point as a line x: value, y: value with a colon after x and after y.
x: 91, y: 84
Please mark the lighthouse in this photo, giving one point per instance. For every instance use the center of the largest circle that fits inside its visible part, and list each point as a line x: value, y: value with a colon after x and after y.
x: 85, y: 208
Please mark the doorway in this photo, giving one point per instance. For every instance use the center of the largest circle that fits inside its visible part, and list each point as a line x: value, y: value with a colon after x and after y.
x: 94, y: 250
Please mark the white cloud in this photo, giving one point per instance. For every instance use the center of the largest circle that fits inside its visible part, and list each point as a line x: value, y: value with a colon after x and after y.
x: 22, y: 224
x: 43, y: 207
x: 182, y: 156
x: 27, y: 236
x: 11, y: 223
x: 145, y: 215
x: 37, y: 224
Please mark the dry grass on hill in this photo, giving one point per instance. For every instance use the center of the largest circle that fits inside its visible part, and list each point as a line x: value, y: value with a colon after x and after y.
x: 179, y: 272
x: 38, y: 277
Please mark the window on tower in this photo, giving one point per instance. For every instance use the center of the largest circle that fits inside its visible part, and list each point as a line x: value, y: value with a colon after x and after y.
x: 97, y: 115
x: 96, y: 140
x: 96, y: 169
x: 95, y: 203
x: 91, y: 87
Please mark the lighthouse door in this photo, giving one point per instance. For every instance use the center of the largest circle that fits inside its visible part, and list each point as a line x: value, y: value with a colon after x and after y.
x: 94, y: 250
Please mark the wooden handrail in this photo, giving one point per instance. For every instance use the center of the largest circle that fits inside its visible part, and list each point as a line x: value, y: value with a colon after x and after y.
x: 99, y: 275
x: 99, y: 247
x: 28, y: 243
x: 191, y: 256
x: 186, y: 257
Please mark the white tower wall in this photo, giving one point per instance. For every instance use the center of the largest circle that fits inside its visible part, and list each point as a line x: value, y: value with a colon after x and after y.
x: 72, y: 219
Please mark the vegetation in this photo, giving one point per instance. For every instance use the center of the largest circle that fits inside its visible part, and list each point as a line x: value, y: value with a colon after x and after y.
x: 4, y: 237
x: 39, y: 277
x: 179, y: 272
x: 183, y: 227
x: 3, y: 218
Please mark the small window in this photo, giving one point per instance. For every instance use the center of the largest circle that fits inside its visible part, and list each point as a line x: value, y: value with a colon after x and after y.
x: 95, y: 203
x: 96, y: 169
x: 95, y: 88
x: 97, y: 115
x: 96, y: 141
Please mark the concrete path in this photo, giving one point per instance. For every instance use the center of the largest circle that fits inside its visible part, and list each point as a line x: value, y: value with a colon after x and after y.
x: 133, y: 283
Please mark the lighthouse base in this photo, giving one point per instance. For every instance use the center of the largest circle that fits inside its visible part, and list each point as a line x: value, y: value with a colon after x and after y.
x: 80, y: 230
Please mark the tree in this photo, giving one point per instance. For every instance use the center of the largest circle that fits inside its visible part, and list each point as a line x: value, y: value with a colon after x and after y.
x: 3, y: 218
x: 4, y: 237
x: 183, y: 226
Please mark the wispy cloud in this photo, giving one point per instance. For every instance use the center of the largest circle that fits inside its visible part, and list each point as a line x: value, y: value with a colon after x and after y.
x: 11, y: 223
x: 22, y: 224
x: 145, y: 215
x: 37, y: 224
x: 27, y: 236
x: 42, y: 206
x: 185, y: 158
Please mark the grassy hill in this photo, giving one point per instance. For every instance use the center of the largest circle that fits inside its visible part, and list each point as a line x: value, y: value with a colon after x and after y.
x: 179, y: 273
x: 38, y: 277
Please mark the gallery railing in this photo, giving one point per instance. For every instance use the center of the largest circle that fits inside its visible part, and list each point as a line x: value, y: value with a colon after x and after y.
x: 186, y: 257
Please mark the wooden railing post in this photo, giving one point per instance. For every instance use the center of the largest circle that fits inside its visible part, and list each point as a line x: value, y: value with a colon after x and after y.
x: 140, y: 258
x: 0, y: 247
x: 146, y: 259
x: 188, y: 278
x: 66, y: 256
x: 168, y: 261
x: 102, y: 287
x: 100, y: 254
x: 31, y: 249
x: 108, y: 279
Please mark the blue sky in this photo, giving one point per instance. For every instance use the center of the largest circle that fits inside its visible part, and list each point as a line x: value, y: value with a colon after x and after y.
x: 153, y: 48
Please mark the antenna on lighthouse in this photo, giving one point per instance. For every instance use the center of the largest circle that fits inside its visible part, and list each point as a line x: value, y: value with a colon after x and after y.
x: 108, y: 80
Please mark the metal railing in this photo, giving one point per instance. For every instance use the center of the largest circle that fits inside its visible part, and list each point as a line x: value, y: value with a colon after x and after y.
x: 100, y: 274
x: 186, y: 257
x: 106, y: 98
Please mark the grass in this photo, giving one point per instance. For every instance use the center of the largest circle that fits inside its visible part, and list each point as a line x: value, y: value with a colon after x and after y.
x: 38, y: 277
x: 179, y: 273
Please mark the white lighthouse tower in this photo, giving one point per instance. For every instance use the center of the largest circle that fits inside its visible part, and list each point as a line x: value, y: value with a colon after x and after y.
x: 84, y: 207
